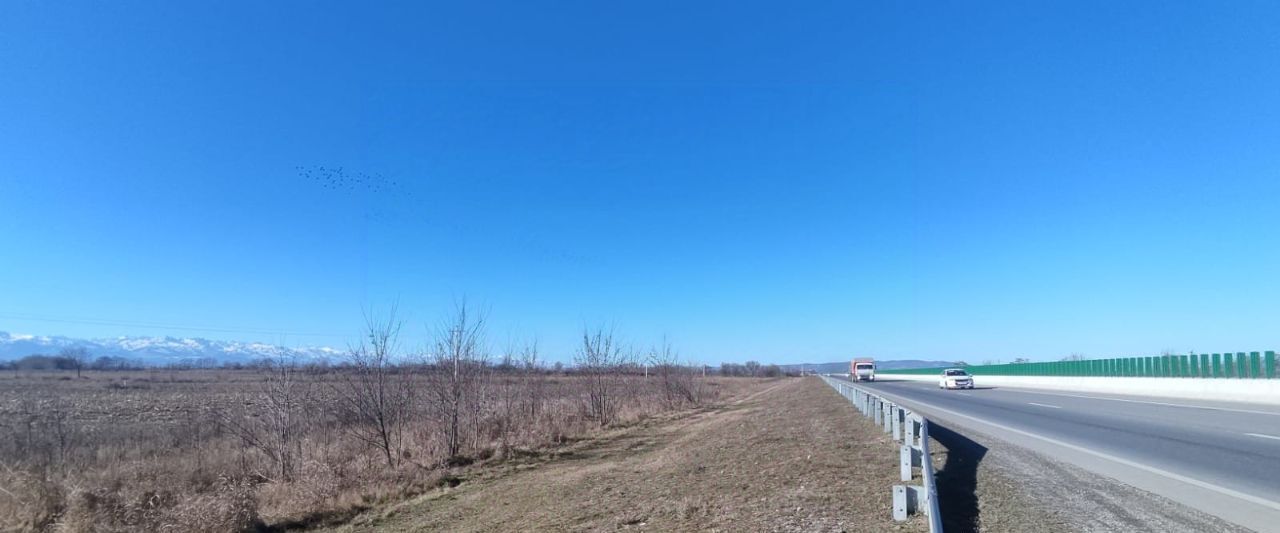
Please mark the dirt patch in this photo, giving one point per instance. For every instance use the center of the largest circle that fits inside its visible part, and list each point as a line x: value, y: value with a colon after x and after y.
x: 791, y: 456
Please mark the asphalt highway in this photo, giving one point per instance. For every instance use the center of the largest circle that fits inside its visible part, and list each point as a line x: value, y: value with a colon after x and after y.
x: 1221, y: 458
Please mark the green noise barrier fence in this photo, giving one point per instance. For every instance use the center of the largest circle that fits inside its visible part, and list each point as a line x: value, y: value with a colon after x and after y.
x: 1237, y: 365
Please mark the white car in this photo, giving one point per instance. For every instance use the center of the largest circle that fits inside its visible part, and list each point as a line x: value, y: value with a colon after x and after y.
x: 955, y: 378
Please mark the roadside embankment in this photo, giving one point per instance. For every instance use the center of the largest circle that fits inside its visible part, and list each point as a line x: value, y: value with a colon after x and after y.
x: 790, y: 456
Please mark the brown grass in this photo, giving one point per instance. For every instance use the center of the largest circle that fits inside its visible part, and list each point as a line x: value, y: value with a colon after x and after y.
x: 782, y: 455
x: 150, y: 450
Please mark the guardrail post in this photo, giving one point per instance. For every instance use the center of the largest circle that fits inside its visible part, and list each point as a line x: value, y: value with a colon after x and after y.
x: 912, y: 431
x: 906, y: 501
x: 906, y: 457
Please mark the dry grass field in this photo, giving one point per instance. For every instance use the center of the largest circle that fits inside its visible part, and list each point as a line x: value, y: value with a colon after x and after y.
x: 282, y: 447
x: 784, y: 455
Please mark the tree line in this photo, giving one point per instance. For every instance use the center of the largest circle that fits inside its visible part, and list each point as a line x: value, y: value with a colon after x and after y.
x: 79, y: 359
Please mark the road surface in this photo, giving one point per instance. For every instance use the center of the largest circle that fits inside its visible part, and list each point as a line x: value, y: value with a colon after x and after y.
x: 1220, y: 458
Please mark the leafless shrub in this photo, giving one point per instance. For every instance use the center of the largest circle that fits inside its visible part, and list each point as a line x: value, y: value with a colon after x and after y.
x: 507, y: 396
x: 44, y: 434
x: 459, y: 367
x: 600, y: 359
x: 680, y: 385
x: 535, y: 382
x: 374, y: 395
x: 275, y: 425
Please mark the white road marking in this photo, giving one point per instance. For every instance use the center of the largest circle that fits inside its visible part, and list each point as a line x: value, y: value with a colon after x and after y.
x: 1151, y: 469
x: 1263, y: 436
x: 1046, y: 405
x: 1249, y: 411
x: 963, y: 393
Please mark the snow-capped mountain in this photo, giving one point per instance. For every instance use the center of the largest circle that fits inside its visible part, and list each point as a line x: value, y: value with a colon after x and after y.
x: 158, y: 350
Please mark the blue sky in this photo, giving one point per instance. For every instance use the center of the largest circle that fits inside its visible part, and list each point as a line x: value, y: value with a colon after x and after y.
x: 770, y: 181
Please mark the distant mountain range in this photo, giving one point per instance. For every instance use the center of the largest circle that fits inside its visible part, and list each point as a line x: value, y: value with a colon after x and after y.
x: 158, y: 350
x: 168, y: 350
x: 843, y: 366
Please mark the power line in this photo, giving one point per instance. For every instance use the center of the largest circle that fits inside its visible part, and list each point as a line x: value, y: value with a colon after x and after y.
x: 152, y: 325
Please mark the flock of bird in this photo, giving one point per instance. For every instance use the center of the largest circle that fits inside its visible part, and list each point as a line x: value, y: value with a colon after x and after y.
x: 342, y: 180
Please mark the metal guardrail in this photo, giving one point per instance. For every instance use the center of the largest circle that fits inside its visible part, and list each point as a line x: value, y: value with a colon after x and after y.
x: 911, y: 431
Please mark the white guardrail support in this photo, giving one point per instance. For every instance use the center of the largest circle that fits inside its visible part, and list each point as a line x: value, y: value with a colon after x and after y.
x: 911, y: 430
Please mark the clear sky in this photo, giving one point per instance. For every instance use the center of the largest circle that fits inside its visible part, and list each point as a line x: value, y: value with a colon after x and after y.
x: 787, y: 182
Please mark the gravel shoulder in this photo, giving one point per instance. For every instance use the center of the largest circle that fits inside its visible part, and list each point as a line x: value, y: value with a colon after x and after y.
x: 790, y: 455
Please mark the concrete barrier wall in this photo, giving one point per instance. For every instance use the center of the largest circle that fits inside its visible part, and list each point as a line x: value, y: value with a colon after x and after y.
x: 1266, y: 391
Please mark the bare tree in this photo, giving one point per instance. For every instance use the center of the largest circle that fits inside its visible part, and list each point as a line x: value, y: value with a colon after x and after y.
x: 508, y: 395
x: 535, y: 382
x: 600, y: 360
x: 275, y: 425
x: 459, y: 365
x: 78, y: 356
x: 374, y: 395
